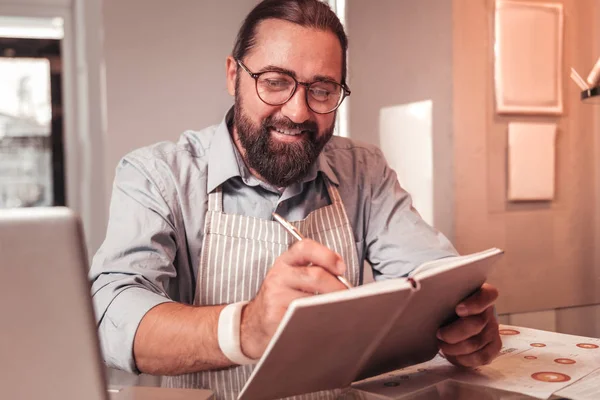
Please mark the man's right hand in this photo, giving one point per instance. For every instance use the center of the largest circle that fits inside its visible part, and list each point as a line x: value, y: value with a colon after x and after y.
x: 304, y: 269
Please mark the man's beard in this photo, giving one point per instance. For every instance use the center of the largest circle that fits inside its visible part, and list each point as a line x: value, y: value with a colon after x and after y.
x: 279, y: 163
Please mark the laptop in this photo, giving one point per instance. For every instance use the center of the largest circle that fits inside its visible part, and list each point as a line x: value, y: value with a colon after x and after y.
x: 49, y: 347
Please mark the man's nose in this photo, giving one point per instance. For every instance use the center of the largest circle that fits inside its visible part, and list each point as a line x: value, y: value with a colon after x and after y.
x: 296, y: 108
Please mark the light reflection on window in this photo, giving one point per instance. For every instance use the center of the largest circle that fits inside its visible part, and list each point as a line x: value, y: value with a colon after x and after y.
x: 25, y: 129
x: 32, y: 28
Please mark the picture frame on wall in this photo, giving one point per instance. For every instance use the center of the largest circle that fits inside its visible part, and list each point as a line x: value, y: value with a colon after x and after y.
x: 528, y: 53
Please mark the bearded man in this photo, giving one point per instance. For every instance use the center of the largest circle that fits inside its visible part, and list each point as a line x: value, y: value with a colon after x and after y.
x: 195, y: 275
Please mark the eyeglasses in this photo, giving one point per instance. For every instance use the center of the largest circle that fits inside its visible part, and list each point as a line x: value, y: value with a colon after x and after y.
x: 276, y: 88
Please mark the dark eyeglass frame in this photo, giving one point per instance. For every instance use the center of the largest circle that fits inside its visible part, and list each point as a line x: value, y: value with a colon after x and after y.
x: 345, y: 89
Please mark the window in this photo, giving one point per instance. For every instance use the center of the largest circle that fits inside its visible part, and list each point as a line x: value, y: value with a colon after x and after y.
x: 31, y: 128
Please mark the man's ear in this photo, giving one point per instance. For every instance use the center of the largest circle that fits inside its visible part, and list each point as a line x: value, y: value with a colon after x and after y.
x: 231, y: 73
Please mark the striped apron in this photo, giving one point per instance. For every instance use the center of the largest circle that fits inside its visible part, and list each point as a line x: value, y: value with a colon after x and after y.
x: 237, y: 253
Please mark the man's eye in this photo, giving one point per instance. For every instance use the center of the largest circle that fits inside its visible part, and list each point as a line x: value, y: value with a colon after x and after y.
x: 320, y: 93
x: 276, y: 83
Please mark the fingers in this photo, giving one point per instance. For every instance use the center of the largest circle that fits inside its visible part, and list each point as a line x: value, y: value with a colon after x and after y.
x: 471, y: 344
x: 465, y: 327
x: 308, y: 279
x: 313, y: 279
x: 478, y: 302
x: 483, y: 356
x: 471, y: 341
x: 306, y: 252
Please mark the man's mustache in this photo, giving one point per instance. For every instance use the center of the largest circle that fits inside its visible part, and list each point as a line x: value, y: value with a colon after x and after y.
x: 285, y: 123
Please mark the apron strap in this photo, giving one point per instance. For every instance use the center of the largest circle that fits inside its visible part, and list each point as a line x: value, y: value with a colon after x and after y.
x: 334, y: 195
x: 215, y: 200
x: 336, y: 201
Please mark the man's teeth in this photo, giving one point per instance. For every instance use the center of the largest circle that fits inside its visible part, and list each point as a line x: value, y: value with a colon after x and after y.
x: 289, y: 133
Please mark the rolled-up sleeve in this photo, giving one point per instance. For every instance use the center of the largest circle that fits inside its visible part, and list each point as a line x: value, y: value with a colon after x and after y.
x: 131, y: 269
x: 397, y: 239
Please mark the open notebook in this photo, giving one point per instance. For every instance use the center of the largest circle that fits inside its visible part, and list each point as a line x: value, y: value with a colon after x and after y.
x: 331, y: 340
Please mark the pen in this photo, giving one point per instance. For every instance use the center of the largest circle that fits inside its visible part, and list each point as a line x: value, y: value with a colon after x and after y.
x: 296, y: 234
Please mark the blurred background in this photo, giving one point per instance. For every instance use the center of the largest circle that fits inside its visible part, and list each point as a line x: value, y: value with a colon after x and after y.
x: 83, y: 82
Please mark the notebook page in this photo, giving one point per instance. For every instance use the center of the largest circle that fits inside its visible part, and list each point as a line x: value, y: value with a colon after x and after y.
x: 453, y: 262
x: 322, y: 340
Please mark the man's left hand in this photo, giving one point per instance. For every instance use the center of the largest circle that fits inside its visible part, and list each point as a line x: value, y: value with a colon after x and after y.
x: 473, y: 339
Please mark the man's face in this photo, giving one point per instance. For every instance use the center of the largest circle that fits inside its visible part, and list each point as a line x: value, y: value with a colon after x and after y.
x: 280, y: 143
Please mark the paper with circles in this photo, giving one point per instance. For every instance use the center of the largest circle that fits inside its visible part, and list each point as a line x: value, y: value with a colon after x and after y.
x: 532, y: 362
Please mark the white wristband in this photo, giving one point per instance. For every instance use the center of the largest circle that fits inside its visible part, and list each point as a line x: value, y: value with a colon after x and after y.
x: 228, y: 332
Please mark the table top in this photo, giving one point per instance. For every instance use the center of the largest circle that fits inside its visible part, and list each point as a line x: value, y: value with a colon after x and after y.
x: 446, y: 390
x: 157, y: 393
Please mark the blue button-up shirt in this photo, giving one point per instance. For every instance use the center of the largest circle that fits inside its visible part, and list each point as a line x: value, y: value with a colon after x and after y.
x: 160, y: 197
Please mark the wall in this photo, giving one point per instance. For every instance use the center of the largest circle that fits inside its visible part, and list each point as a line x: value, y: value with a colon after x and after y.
x: 401, y: 52
x: 405, y: 51
x: 550, y: 262
x: 165, y: 69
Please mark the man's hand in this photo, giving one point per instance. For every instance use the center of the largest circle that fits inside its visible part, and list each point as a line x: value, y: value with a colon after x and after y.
x: 305, y: 269
x: 473, y: 339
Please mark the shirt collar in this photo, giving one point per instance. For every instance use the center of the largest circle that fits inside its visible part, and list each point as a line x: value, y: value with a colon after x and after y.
x: 222, y: 163
x: 226, y: 157
x: 322, y: 164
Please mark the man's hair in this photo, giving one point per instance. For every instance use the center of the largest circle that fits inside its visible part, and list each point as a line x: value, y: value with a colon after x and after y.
x: 307, y: 13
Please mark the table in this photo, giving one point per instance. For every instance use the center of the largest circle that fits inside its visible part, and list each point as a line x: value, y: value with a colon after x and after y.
x: 446, y: 390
